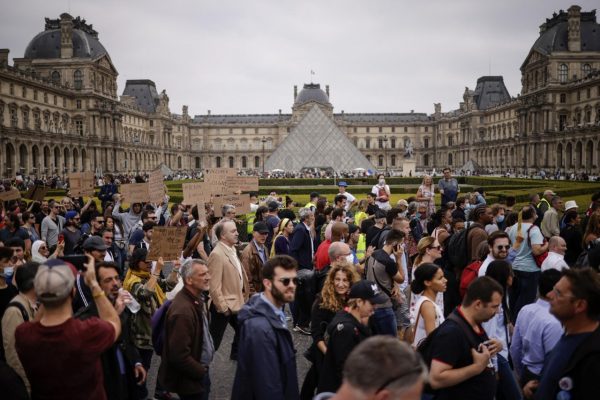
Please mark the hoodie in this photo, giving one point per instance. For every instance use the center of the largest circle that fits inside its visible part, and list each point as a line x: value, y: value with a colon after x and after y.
x: 266, y: 366
x: 128, y: 219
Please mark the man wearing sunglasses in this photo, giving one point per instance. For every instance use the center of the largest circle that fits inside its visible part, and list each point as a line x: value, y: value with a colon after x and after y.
x: 267, y: 359
x: 500, y: 249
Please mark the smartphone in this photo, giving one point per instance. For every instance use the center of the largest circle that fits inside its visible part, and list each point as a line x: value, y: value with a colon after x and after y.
x: 61, y: 237
x: 78, y: 260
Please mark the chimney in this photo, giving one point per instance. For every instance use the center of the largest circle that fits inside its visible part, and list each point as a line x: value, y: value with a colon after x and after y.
x: 4, y: 57
x: 574, y: 28
x: 327, y: 90
x: 295, y: 92
x: 208, y: 113
x: 184, y: 111
x: 280, y: 111
x: 66, y: 36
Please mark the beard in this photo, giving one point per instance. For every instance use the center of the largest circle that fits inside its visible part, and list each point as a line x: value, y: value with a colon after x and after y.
x: 282, y: 296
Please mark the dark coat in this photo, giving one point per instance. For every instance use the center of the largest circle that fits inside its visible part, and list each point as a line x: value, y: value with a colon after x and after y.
x: 253, y: 264
x: 584, y: 367
x: 117, y: 386
x: 345, y: 333
x: 180, y: 370
x: 300, y: 247
x: 266, y: 367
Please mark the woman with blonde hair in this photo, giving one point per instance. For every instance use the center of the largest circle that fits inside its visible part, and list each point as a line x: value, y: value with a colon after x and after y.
x: 281, y: 242
x: 333, y: 298
x: 429, y: 250
x: 426, y: 193
x: 361, y: 214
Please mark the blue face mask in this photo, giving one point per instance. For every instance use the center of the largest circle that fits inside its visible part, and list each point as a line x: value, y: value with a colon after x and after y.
x: 500, y: 219
x: 8, y: 273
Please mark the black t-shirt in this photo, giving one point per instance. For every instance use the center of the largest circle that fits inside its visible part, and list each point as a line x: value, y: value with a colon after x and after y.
x: 371, y: 233
x: 451, y: 346
x: 372, y: 209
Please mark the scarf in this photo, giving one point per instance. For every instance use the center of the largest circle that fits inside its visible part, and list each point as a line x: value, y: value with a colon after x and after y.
x: 134, y: 277
x: 281, y: 227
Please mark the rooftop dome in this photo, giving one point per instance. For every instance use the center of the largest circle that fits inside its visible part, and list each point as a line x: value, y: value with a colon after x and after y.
x: 46, y: 44
x: 312, y: 93
x: 554, y: 33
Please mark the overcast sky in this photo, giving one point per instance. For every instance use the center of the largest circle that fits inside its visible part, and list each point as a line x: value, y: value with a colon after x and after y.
x: 245, y: 56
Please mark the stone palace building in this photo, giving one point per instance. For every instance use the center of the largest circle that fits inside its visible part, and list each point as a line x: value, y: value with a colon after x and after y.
x: 60, y: 111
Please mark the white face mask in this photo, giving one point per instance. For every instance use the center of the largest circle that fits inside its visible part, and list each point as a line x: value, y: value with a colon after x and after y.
x: 8, y: 271
x: 350, y: 258
x: 382, y: 182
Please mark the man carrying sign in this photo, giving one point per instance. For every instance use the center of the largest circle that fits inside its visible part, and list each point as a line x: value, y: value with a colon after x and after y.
x: 130, y: 218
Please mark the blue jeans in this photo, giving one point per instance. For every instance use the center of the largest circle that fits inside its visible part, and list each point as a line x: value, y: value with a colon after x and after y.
x: 384, y: 320
x: 523, y: 291
x: 507, y: 386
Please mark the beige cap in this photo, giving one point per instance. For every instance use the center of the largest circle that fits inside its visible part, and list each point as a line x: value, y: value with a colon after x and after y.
x: 53, y: 282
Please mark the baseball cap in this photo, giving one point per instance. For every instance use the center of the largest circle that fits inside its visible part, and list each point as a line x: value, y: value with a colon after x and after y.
x: 367, y: 290
x: 70, y: 215
x: 342, y: 183
x: 402, y: 202
x: 94, y: 243
x: 260, y: 227
x: 549, y: 192
x: 53, y: 282
x: 571, y: 204
x: 273, y: 206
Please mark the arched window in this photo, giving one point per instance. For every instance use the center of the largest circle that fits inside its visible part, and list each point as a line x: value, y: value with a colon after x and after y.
x: 585, y: 70
x: 450, y: 159
x: 55, y: 77
x: 78, y: 80
x: 244, y: 162
x: 380, y: 161
x: 218, y: 162
x: 393, y: 160
x: 426, y: 159
x: 231, y: 161
x: 563, y: 73
x: 179, y: 162
x: 198, y: 163
x: 257, y: 162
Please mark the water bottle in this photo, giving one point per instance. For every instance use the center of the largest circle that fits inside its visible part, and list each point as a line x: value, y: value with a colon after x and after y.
x: 132, y: 305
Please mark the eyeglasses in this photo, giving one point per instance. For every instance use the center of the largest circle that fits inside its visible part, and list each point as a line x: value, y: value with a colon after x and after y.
x: 503, y: 247
x: 559, y: 294
x: 416, y: 370
x: 286, y: 281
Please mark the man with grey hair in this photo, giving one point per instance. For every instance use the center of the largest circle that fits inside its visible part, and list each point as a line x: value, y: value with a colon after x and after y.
x: 550, y: 225
x: 188, y: 346
x: 381, y: 367
x: 228, y: 213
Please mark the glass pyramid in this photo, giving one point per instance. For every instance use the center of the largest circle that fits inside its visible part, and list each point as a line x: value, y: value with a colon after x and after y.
x: 317, y: 142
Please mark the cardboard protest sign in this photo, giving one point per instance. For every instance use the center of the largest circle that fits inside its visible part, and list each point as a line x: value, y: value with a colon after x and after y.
x: 219, y: 176
x: 135, y: 192
x: 241, y: 202
x: 234, y: 185
x: 81, y: 184
x: 167, y: 242
x: 156, y: 187
x: 202, y: 214
x: 194, y: 193
x: 12, y: 194
x: 37, y: 192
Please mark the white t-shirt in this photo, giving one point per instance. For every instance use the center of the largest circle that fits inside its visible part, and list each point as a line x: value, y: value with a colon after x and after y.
x: 349, y: 200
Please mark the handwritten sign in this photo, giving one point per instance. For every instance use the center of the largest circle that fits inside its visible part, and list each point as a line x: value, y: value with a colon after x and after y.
x: 241, y: 202
x: 37, y: 193
x: 195, y: 193
x: 201, y: 214
x: 167, y: 242
x: 156, y: 187
x: 81, y: 184
x: 219, y: 176
x: 135, y: 192
x: 12, y: 194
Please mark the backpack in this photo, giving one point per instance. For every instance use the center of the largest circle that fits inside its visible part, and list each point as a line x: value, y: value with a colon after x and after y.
x: 469, y: 274
x: 158, y: 326
x: 21, y: 308
x: 458, y: 248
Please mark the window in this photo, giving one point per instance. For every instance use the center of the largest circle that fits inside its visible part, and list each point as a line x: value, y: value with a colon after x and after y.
x: 393, y: 129
x: 449, y: 140
x: 585, y: 70
x: 244, y: 162
x: 55, y: 100
x: 588, y: 93
x: 426, y: 129
x: 24, y: 92
x: 380, y: 141
x: 14, y: 118
x: 380, y: 129
x: 11, y: 89
x: 450, y: 159
x: 368, y: 129
x: 406, y: 129
x: 562, y: 122
x: 55, y: 77
x: 78, y: 104
x: 393, y: 143
x: 79, y: 127
x: 78, y: 80
x: 25, y: 114
x: 37, y: 120
x: 45, y: 97
x: 218, y: 162
x: 354, y: 129
x: 563, y: 73
x: 578, y: 95
x: 231, y: 161
x: 368, y: 143
x: 563, y: 98
x: 426, y: 142
x: 380, y: 161
x: 393, y: 160
x: 355, y: 141
x: 198, y: 164
x: 426, y: 159
x: 257, y: 162
x: 35, y: 95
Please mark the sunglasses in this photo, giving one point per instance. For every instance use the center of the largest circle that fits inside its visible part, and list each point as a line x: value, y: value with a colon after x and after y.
x: 286, y: 281
x: 503, y: 247
x: 100, y: 222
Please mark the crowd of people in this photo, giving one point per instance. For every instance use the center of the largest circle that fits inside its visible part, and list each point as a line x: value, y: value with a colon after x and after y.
x: 405, y: 299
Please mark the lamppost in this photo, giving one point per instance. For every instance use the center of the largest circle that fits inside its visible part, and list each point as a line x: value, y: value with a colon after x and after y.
x: 263, y: 140
x: 385, y: 140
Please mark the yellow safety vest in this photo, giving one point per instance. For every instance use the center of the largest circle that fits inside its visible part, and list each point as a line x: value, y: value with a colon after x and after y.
x: 361, y: 246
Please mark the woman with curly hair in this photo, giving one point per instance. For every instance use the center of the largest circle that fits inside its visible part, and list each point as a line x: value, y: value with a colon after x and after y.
x: 333, y: 298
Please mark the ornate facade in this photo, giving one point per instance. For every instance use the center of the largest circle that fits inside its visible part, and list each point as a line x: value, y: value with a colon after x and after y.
x: 60, y: 112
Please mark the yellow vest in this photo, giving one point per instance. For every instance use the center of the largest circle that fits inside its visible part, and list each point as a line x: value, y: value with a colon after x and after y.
x: 361, y: 246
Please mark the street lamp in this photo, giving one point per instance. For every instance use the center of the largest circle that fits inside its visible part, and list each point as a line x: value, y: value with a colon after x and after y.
x: 385, y: 140
x: 263, y: 140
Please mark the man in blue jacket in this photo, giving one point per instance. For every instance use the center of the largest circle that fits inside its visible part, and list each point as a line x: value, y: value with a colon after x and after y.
x: 266, y: 366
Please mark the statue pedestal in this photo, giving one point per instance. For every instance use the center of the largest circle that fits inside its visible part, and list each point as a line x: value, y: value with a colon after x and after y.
x: 409, y: 167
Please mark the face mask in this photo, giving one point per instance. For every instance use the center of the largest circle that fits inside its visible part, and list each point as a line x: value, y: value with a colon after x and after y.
x: 382, y: 182
x: 8, y: 272
x: 448, y: 227
x: 343, y: 240
x: 467, y: 204
x: 499, y: 219
x: 350, y: 258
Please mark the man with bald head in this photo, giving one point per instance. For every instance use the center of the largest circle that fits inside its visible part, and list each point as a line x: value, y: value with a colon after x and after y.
x: 557, y: 248
x: 338, y: 252
x: 339, y: 233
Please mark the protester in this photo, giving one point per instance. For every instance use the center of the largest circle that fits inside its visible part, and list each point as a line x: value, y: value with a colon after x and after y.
x: 426, y: 194
x: 551, y: 222
x: 347, y: 329
x: 254, y: 256
x: 51, y: 226
x: 188, y: 347
x: 229, y: 285
x: 13, y: 229
x: 536, y: 332
x: 381, y: 367
x: 429, y: 280
x: 573, y: 369
x: 130, y: 218
x: 500, y: 249
x: 448, y: 187
x: 479, y: 217
x: 382, y: 193
x: 281, y: 242
x: 266, y: 367
x: 29, y: 226
x: 573, y: 236
x: 330, y: 300
x: 557, y: 248
x: 57, y: 348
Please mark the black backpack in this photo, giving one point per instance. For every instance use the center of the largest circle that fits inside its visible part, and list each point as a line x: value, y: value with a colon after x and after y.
x: 457, y: 247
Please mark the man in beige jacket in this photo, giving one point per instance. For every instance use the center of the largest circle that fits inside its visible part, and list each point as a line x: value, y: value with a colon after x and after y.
x: 229, y: 285
x: 20, y: 307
